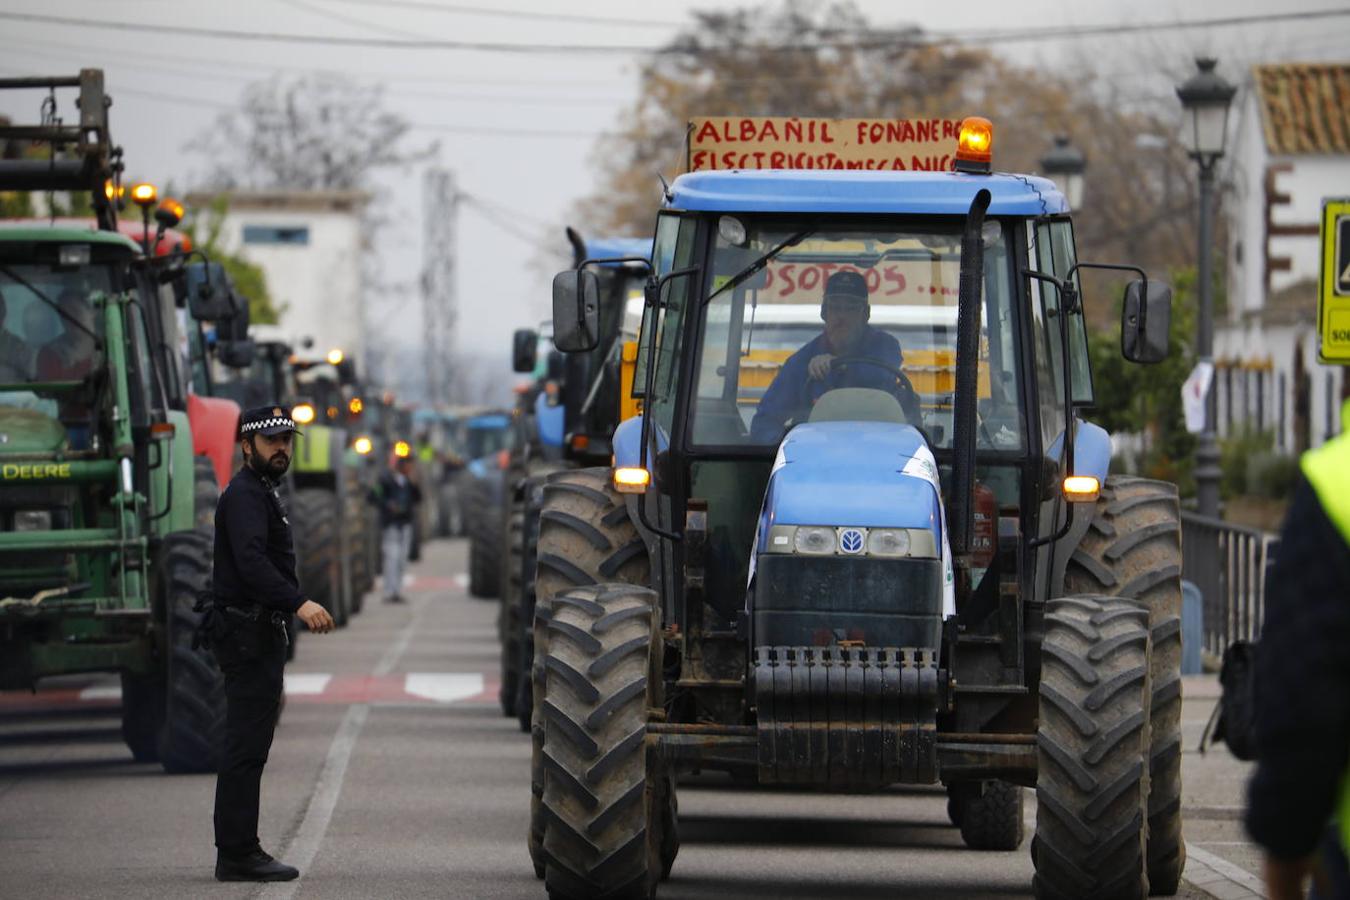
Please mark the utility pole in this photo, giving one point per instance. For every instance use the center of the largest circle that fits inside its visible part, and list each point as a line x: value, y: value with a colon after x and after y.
x: 440, y: 209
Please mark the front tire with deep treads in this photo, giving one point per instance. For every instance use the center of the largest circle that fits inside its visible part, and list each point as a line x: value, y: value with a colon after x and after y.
x: 1133, y: 549
x: 599, y: 840
x: 1092, y: 743
x: 586, y: 538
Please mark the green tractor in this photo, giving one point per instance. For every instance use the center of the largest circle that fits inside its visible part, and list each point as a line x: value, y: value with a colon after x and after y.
x: 848, y: 568
x: 107, y: 482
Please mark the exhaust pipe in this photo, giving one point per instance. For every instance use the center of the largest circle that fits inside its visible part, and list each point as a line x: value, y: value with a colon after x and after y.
x: 960, y: 501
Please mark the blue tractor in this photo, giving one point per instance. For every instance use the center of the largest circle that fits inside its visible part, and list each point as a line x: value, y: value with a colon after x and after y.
x: 564, y: 424
x: 843, y: 580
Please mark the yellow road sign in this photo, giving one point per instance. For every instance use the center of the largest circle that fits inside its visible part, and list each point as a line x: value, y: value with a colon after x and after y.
x: 1333, y: 300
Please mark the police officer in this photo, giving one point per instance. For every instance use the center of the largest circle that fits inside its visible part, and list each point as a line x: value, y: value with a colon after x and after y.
x: 1299, y: 797
x: 255, y: 592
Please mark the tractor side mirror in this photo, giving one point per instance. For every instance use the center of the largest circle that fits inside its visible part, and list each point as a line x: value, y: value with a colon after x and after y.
x: 210, y: 296
x: 576, y: 311
x: 1146, y: 321
x: 524, y: 350
x: 237, y: 354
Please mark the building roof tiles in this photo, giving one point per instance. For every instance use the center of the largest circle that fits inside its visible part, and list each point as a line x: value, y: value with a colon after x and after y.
x: 1305, y: 107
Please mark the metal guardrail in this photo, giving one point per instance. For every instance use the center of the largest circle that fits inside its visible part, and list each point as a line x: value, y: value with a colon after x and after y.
x: 1227, y: 563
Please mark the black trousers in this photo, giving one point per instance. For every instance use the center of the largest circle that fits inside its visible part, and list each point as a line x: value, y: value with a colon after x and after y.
x: 252, y: 656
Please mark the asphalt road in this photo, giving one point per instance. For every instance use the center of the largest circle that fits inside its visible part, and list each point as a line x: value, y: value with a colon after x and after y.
x: 395, y: 775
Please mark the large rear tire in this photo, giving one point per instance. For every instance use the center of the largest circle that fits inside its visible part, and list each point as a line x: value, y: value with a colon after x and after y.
x: 1133, y: 549
x: 485, y: 543
x: 320, y: 517
x: 194, y: 707
x: 1091, y: 788
x: 599, y: 786
x: 509, y: 625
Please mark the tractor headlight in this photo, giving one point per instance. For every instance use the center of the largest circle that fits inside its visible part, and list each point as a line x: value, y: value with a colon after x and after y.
x: 33, y: 520
x: 813, y: 539
x: 888, y: 542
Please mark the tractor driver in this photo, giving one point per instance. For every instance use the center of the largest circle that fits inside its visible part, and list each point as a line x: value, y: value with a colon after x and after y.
x: 810, y: 372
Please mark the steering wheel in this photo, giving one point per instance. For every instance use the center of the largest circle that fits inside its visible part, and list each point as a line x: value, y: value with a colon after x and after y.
x: 908, y: 397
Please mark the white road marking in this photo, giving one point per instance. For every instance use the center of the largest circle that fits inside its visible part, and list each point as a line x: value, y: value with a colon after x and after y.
x: 306, y: 684
x: 304, y: 845
x: 101, y: 692
x: 443, y: 687
x: 462, y: 581
x: 309, y: 836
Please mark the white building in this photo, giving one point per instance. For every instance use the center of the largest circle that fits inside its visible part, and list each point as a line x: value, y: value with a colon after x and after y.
x: 1290, y: 150
x: 310, y: 245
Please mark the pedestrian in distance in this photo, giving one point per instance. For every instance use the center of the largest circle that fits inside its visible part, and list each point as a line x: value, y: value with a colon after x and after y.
x: 254, y: 592
x: 396, y: 495
x: 1299, y: 796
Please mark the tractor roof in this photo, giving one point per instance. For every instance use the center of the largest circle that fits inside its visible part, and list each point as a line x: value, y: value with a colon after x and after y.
x: 63, y: 231
x: 614, y: 247
x: 853, y: 191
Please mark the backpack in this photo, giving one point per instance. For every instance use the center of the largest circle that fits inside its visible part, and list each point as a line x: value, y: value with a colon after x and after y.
x: 1234, y: 718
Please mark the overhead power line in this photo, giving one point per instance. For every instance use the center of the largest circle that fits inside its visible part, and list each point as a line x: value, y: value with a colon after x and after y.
x: 461, y: 10
x: 861, y: 43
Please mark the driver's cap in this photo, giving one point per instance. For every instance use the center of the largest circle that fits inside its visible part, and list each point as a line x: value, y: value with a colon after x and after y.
x: 846, y: 286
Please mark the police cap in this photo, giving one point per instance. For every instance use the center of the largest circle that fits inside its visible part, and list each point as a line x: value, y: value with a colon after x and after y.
x: 268, y: 420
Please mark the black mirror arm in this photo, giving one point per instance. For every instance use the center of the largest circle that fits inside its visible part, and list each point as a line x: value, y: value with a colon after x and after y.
x: 1116, y: 267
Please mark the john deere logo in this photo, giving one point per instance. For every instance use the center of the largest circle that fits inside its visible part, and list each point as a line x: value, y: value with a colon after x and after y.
x: 851, y: 540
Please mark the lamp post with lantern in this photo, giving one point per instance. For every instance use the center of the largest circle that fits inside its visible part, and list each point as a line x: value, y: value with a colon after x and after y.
x: 1205, y: 98
x: 1064, y: 165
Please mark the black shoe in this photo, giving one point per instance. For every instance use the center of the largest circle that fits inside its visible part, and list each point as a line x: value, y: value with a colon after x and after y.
x: 255, y: 866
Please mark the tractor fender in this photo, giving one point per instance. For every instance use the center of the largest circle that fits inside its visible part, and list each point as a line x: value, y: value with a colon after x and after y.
x: 627, y: 442
x: 1091, y: 456
x: 549, y: 420
x: 215, y: 430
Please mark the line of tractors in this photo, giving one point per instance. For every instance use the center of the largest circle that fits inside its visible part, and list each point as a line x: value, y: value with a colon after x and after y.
x: 126, y: 359
x: 928, y: 578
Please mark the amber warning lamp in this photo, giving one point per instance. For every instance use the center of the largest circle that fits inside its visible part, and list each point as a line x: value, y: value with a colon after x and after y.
x: 144, y: 194
x: 169, y: 213
x: 1082, y: 489
x: 975, y: 146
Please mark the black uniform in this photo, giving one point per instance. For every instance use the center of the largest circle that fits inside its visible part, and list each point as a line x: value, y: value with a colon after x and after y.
x: 256, y: 590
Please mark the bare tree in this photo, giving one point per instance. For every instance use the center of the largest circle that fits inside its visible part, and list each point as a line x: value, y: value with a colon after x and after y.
x: 799, y: 60
x: 320, y: 131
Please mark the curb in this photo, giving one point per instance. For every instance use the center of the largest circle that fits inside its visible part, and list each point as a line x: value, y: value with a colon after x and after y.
x: 1218, y: 878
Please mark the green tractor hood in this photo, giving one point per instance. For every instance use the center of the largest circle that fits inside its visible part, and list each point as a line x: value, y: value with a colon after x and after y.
x: 29, y: 431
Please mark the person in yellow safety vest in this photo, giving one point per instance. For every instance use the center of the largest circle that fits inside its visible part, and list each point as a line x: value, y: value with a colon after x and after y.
x: 1299, y: 795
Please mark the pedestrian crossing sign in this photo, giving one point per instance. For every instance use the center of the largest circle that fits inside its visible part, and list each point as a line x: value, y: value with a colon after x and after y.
x: 1333, y: 299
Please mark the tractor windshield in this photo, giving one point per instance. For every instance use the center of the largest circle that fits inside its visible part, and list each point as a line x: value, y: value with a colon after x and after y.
x: 48, y: 327
x: 852, y: 323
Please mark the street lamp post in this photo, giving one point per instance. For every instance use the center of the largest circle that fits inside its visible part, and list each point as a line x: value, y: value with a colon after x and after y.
x: 1205, y: 97
x: 1064, y: 165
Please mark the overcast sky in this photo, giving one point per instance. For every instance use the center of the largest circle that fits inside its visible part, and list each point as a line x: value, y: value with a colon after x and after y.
x: 517, y: 129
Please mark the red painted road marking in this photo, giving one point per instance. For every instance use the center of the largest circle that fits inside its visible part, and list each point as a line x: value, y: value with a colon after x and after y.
x: 427, y: 583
